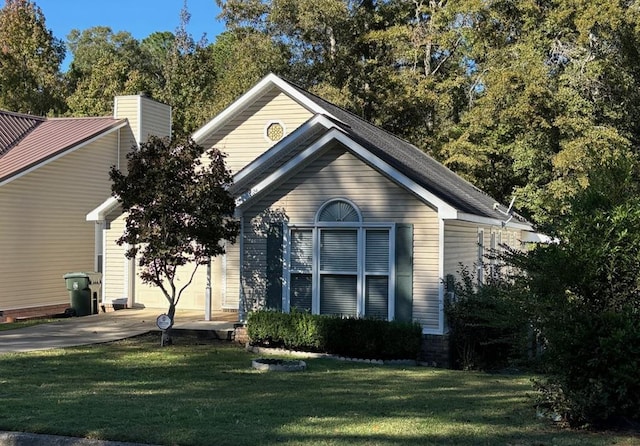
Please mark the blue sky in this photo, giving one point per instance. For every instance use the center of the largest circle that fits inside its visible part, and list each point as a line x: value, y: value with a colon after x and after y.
x: 139, y: 17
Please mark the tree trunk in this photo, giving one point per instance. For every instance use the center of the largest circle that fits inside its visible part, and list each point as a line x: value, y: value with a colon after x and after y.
x: 166, y: 338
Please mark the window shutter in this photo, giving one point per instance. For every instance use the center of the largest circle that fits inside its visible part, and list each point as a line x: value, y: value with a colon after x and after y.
x: 274, y: 266
x: 404, y: 273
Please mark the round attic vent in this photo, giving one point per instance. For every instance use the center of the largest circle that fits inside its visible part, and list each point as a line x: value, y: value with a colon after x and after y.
x: 274, y: 131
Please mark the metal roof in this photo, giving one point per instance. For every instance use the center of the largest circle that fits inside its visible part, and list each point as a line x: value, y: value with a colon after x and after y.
x: 14, y: 126
x: 44, y: 138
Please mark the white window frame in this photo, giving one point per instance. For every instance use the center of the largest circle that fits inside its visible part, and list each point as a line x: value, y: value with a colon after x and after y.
x: 316, y: 228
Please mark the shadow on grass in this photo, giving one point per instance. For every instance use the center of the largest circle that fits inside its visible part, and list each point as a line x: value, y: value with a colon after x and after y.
x: 208, y: 394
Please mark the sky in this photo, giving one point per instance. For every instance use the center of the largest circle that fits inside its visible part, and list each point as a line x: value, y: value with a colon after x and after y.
x: 139, y: 17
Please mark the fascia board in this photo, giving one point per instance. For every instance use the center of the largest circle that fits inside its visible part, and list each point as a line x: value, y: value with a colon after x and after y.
x: 251, y: 96
x: 472, y: 218
x: 100, y: 213
x: 445, y: 210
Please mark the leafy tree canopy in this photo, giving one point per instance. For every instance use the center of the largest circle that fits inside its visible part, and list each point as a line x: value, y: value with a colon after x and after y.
x: 178, y: 211
x: 30, y: 58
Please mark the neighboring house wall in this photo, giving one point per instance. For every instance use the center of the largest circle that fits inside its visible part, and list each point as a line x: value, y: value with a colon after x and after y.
x: 336, y: 173
x: 43, y: 232
x: 243, y: 137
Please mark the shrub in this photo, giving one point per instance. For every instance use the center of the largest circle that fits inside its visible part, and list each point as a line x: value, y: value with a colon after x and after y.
x: 604, y: 389
x: 488, y: 325
x: 356, y: 338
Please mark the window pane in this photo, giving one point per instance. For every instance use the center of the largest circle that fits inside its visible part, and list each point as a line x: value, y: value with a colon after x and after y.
x: 301, y: 289
x: 377, y: 297
x: 301, y: 250
x: 338, y: 295
x: 377, y: 251
x: 339, y: 250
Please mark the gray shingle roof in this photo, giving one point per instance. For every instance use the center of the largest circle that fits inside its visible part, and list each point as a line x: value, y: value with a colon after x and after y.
x: 413, y: 163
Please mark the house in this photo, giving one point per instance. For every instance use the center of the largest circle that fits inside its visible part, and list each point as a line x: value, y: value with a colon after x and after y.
x: 51, y: 171
x: 338, y: 217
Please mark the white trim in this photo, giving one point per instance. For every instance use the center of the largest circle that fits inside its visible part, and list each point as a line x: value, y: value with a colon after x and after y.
x: 536, y: 237
x: 61, y: 154
x: 471, y: 218
x: 268, y: 82
x: 441, y: 285
x: 445, y: 210
x: 103, y: 288
x: 361, y: 275
x: 139, y: 135
x: 104, y: 209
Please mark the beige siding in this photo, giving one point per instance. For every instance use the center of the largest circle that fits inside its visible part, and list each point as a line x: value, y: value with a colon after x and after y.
x: 243, y: 137
x: 43, y: 231
x: 156, y: 119
x: 146, y: 117
x: 461, y: 244
x: 224, y: 290
x: 114, y: 281
x: 339, y: 174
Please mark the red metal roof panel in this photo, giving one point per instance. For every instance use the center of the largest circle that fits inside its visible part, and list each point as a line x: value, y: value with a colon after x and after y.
x: 50, y: 138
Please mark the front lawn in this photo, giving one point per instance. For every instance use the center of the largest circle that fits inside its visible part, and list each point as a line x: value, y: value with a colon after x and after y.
x: 203, y: 394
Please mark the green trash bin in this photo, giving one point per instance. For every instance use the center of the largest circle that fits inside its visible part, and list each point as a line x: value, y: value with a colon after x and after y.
x: 79, y: 293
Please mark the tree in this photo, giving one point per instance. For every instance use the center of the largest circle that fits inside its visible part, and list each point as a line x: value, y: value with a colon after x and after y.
x: 178, y: 211
x: 585, y: 297
x: 30, y: 58
x: 556, y: 94
x: 105, y: 64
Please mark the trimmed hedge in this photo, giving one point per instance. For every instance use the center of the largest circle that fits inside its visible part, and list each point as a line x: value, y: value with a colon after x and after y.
x: 350, y: 337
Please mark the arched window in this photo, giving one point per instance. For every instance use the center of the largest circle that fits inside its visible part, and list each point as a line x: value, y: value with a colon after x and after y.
x: 338, y: 211
x: 341, y: 265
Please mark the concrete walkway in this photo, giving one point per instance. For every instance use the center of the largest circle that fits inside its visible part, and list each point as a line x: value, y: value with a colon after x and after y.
x: 105, y: 327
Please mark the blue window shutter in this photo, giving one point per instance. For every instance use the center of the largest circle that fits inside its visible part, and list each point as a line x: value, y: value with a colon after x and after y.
x: 274, y: 266
x: 404, y: 273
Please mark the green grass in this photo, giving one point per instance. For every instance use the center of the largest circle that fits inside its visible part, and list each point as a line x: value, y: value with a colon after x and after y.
x: 202, y: 394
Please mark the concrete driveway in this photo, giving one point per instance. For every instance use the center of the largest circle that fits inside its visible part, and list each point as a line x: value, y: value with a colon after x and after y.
x: 101, y: 328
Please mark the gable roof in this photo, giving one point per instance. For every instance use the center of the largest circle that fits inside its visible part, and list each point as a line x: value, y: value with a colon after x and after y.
x: 395, y: 154
x: 28, y: 141
x: 14, y: 126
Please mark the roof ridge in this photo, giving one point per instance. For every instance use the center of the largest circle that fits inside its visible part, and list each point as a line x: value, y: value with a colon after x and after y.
x: 23, y: 115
